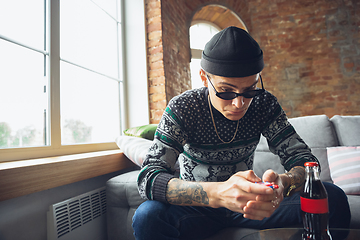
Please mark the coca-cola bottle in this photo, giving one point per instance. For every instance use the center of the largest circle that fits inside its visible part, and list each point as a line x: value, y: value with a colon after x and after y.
x: 314, y: 205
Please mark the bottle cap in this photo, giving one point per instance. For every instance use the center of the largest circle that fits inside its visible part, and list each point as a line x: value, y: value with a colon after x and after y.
x: 311, y: 164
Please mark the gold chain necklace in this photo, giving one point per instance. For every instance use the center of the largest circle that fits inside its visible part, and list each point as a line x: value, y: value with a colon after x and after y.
x: 212, y: 118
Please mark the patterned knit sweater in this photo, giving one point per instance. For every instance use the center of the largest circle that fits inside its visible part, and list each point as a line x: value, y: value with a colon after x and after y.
x: 186, y: 134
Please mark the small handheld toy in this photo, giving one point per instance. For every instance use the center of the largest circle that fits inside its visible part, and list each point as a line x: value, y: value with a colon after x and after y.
x: 271, y: 185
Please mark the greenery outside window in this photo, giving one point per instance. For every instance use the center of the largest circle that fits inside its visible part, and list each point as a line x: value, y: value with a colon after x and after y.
x: 61, y: 77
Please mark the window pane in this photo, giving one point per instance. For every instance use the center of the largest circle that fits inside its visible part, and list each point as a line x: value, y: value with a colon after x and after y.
x: 23, y: 21
x: 200, y: 34
x: 88, y: 36
x: 109, y: 6
x: 89, y: 106
x: 23, y: 102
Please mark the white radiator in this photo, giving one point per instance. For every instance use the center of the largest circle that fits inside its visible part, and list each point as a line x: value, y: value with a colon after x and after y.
x: 81, y: 217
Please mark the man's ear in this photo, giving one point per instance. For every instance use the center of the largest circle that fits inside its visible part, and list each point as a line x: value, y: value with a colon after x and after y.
x: 203, y: 77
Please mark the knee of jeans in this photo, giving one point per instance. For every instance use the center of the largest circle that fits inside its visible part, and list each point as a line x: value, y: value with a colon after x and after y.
x: 338, y: 205
x: 335, y: 193
x: 147, y: 212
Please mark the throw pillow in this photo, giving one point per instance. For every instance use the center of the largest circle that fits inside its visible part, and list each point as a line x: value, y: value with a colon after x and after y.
x: 134, y: 148
x: 344, y: 163
x: 146, y: 131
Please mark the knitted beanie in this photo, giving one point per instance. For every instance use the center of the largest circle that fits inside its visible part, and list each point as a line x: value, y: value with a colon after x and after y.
x: 232, y: 52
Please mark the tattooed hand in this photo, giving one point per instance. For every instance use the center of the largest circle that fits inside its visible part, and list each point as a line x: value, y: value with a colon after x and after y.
x: 239, y: 193
x: 298, y: 173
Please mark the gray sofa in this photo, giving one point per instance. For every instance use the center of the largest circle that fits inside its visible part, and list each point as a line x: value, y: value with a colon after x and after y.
x: 324, y: 136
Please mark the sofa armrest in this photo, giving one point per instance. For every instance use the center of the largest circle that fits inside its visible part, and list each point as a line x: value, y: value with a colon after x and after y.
x: 122, y: 200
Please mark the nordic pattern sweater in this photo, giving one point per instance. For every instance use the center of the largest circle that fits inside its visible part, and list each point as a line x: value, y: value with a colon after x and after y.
x: 186, y: 134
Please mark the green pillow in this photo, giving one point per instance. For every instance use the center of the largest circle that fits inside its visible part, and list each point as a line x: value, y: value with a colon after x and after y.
x: 146, y: 131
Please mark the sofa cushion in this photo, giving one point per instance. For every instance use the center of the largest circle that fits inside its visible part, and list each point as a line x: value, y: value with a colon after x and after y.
x: 122, y: 199
x: 321, y: 155
x: 122, y: 191
x: 345, y: 168
x: 317, y: 131
x: 264, y: 160
x: 347, y: 129
x: 134, y: 148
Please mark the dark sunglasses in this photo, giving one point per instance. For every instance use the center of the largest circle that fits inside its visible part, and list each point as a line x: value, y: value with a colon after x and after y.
x: 232, y: 95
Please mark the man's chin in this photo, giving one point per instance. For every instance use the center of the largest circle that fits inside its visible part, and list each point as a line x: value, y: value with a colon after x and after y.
x: 235, y: 116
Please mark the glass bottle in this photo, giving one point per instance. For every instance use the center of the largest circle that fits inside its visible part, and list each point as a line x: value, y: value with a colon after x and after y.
x: 314, y: 205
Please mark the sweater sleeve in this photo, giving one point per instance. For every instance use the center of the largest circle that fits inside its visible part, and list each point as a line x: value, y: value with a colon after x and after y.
x: 285, y: 142
x: 159, y: 165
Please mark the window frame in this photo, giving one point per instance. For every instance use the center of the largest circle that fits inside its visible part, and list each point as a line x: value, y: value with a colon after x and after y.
x: 128, y: 116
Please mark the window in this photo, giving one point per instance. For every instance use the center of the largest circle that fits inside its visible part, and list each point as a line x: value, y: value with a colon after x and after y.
x: 61, y: 77
x: 200, y: 34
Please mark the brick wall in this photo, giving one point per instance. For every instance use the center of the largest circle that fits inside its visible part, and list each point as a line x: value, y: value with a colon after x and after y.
x: 311, y: 50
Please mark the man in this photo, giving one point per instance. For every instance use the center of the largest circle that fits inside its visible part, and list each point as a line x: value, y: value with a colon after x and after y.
x: 212, y: 132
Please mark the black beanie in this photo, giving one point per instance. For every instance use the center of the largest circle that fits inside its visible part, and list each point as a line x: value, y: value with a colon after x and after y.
x: 232, y: 52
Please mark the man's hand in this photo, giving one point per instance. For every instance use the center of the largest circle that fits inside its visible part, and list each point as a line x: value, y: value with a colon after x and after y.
x: 240, y: 189
x: 265, y: 204
x: 239, y: 193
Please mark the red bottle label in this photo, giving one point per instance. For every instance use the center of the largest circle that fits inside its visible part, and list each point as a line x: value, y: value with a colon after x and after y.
x: 316, y: 206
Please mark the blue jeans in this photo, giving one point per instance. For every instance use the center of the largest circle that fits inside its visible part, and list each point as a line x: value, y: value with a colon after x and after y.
x: 157, y: 220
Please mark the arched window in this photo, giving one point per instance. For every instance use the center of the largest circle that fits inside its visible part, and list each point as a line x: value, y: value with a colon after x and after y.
x: 200, y: 34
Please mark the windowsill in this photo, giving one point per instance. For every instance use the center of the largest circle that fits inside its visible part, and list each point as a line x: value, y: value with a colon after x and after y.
x: 20, y: 178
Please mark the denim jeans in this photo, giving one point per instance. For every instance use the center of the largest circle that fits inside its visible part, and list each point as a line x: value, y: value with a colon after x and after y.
x: 157, y: 220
